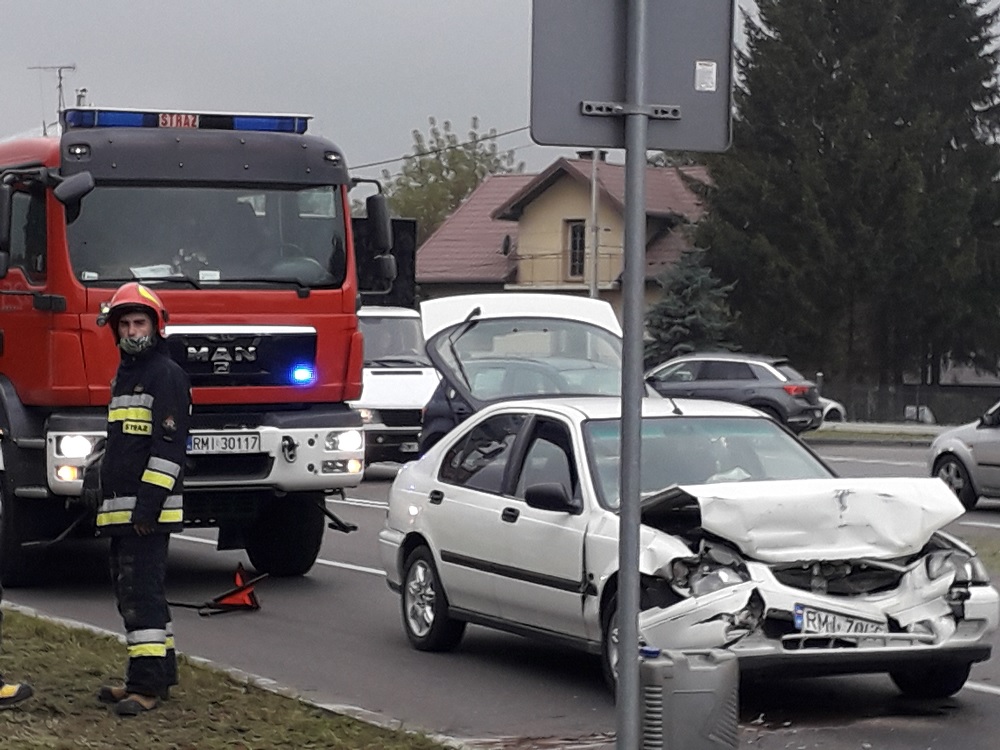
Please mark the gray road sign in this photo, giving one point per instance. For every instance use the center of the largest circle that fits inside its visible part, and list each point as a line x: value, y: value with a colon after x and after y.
x: 578, y: 73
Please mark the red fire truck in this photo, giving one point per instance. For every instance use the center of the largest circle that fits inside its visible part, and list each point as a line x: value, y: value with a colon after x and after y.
x: 241, y: 223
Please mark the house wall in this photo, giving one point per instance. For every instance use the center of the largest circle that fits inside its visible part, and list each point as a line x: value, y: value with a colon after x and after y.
x: 542, y: 244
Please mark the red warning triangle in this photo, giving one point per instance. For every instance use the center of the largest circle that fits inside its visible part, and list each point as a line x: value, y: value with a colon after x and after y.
x: 242, y: 596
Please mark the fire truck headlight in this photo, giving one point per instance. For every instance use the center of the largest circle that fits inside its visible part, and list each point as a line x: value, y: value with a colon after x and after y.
x: 74, y: 446
x: 349, y: 440
x: 68, y: 473
x: 368, y: 415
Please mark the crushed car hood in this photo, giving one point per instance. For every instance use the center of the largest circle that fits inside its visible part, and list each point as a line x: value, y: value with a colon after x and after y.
x: 818, y: 519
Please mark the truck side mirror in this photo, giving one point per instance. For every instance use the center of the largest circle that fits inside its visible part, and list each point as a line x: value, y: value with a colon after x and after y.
x: 6, y: 208
x: 381, y: 226
x: 72, y: 189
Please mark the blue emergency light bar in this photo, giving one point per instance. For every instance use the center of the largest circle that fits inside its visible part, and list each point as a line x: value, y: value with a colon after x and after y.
x: 125, y: 118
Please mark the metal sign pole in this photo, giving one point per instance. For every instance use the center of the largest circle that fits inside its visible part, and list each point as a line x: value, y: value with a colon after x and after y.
x: 633, y: 293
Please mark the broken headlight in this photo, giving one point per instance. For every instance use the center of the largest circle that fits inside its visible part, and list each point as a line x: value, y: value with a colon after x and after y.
x: 715, y: 568
x: 968, y: 569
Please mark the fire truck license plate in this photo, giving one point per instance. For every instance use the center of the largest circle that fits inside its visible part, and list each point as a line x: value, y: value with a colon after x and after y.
x: 244, y: 442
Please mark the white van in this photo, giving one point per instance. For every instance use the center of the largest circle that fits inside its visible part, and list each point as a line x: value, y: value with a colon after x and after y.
x: 398, y: 380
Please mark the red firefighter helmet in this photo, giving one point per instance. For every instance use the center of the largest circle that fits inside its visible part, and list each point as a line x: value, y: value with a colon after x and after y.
x: 131, y: 297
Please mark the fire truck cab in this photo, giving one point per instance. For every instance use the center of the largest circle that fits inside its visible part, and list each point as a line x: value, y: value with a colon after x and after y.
x: 241, y: 223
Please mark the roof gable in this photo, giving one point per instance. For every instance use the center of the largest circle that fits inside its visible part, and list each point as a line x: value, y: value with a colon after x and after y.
x: 467, y: 245
x: 668, y: 193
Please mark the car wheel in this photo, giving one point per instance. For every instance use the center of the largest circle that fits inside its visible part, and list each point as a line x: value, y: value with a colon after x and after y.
x: 609, y: 644
x: 954, y: 474
x: 833, y: 415
x: 425, y: 606
x: 932, y: 681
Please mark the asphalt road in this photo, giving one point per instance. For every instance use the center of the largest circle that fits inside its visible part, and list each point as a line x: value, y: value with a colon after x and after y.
x: 335, y: 636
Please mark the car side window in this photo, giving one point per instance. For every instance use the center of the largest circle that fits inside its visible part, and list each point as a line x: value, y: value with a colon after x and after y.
x: 480, y: 460
x: 549, y: 460
x: 722, y: 370
x: 682, y: 372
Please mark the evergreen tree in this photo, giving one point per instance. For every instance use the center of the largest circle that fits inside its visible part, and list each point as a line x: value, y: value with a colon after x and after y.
x: 857, y: 204
x: 692, y: 315
x: 442, y: 172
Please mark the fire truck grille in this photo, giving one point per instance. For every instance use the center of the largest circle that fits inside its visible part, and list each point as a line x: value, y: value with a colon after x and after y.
x: 241, y: 359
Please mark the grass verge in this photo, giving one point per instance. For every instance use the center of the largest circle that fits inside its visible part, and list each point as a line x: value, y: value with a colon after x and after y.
x: 209, y: 710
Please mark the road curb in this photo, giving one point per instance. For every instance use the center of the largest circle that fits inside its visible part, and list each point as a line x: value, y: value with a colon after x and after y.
x: 241, y: 677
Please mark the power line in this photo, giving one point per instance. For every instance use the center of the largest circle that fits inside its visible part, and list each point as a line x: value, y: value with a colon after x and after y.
x: 442, y: 150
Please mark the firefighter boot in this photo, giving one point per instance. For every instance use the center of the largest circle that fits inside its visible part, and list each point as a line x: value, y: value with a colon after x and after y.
x: 134, y: 704
x: 115, y: 693
x: 12, y: 693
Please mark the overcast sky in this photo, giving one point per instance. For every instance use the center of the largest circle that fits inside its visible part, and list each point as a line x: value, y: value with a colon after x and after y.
x: 369, y: 71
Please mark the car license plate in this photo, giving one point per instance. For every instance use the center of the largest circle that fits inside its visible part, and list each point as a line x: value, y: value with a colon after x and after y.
x: 242, y: 442
x: 810, y: 620
x: 408, y: 448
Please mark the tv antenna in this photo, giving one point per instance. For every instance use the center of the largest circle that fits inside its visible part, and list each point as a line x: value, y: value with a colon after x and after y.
x: 59, y: 85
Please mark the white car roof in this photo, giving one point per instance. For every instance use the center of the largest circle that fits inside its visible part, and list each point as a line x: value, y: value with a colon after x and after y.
x: 374, y: 311
x: 609, y: 407
x: 438, y: 314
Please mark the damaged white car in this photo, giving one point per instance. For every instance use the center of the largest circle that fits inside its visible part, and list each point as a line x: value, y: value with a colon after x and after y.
x: 748, y: 541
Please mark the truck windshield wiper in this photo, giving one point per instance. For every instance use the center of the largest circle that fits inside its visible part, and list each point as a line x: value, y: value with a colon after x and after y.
x: 148, y: 280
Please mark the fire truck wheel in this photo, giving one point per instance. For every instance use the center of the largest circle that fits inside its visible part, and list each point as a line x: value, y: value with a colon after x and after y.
x: 14, y: 567
x: 286, y: 537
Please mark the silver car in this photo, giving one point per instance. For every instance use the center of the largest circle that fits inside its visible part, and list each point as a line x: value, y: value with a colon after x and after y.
x: 748, y: 541
x: 967, y: 458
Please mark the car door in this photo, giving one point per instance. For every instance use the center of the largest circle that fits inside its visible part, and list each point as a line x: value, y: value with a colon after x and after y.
x: 675, y: 379
x: 984, y: 444
x: 464, y: 512
x: 542, y: 577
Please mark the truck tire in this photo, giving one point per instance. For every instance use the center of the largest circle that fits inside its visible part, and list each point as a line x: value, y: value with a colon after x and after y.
x: 287, y: 535
x: 14, y: 567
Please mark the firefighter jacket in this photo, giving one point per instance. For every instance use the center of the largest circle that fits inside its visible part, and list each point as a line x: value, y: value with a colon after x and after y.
x: 142, y: 472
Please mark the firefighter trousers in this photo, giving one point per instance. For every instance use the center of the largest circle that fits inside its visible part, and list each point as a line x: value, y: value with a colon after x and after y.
x: 138, y: 575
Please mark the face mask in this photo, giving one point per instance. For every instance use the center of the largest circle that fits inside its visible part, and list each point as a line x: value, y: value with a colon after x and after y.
x: 135, y: 346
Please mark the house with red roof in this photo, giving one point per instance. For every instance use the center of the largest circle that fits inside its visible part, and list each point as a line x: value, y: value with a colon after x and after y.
x: 521, y: 232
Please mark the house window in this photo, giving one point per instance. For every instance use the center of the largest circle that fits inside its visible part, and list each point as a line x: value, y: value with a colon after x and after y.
x: 576, y: 247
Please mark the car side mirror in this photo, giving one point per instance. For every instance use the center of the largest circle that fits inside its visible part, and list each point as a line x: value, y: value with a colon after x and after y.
x: 550, y: 496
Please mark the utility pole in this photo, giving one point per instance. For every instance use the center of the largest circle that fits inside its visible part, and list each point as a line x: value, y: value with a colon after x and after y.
x: 595, y: 231
x: 59, y: 87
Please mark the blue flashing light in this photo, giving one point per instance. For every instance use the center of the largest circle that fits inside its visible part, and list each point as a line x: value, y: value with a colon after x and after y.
x: 303, y: 374
x: 272, y: 124
x: 87, y: 118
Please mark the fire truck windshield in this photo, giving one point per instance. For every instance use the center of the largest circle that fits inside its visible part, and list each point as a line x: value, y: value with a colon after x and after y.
x: 206, y: 235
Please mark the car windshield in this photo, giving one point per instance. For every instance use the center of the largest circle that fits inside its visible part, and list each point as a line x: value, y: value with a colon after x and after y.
x: 698, y: 450
x: 512, y: 357
x: 393, y: 341
x: 210, y: 235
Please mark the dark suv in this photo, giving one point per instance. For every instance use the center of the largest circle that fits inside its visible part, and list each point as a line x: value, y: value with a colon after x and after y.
x: 768, y: 384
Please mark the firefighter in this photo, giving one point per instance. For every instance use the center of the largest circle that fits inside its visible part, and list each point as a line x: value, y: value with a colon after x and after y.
x: 142, y: 474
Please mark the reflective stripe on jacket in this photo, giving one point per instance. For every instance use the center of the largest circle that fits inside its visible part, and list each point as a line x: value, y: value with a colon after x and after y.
x: 142, y: 473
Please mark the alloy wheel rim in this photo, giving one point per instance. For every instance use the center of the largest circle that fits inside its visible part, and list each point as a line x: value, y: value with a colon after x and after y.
x: 420, y: 596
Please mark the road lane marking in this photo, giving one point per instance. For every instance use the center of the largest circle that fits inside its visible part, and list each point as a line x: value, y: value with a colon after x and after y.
x: 981, y: 688
x: 319, y: 561
x: 359, y: 501
x: 984, y: 524
x: 348, y: 566
x: 845, y: 460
